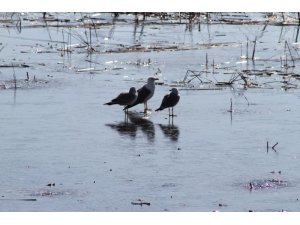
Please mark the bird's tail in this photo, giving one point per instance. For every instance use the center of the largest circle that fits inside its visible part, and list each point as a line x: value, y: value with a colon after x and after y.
x: 108, y: 103
x: 159, y: 109
x: 129, y: 106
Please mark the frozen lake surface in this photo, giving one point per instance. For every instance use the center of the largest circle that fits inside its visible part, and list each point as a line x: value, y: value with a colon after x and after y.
x: 63, y: 150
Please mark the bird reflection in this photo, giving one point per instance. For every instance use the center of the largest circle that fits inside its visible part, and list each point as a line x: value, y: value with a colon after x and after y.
x: 171, y: 131
x: 124, y: 128
x: 132, y: 122
x: 142, y: 122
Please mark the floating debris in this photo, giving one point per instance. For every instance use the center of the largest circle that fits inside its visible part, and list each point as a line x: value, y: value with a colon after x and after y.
x: 266, y: 184
x: 222, y: 205
x: 279, y: 172
x: 49, y: 193
x: 20, y: 65
x: 24, y: 83
x: 20, y: 199
x: 169, y: 185
x: 140, y: 202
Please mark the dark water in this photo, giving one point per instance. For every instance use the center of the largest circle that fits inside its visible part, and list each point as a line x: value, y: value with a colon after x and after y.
x: 63, y: 150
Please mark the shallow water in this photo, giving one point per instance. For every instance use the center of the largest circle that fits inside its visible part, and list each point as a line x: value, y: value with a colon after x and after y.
x: 57, y: 130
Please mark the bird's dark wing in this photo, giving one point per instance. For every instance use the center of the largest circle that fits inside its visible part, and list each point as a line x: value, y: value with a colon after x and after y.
x: 169, y: 100
x: 122, y: 99
x: 143, y: 93
x: 173, y: 100
x: 164, y: 103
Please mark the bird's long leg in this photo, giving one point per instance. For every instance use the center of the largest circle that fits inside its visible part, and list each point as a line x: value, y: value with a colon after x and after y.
x: 169, y: 112
x: 173, y: 112
x: 145, y: 108
x: 171, y: 121
x: 126, y: 116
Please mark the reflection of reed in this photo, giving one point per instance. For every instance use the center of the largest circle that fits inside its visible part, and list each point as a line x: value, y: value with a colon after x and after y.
x: 132, y: 122
x: 171, y: 131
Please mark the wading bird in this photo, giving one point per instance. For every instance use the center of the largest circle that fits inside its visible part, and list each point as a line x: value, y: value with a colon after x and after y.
x: 144, y: 94
x: 169, y: 101
x: 125, y: 98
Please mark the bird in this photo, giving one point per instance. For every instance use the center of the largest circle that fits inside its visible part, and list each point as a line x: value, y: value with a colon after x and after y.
x: 125, y: 98
x: 169, y: 101
x: 144, y: 94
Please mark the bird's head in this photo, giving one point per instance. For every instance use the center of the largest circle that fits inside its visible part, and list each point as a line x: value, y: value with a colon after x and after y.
x: 174, y: 90
x: 132, y: 90
x: 152, y: 79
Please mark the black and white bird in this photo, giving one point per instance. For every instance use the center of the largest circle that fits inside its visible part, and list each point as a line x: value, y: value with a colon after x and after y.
x: 169, y: 101
x: 144, y: 94
x: 125, y: 98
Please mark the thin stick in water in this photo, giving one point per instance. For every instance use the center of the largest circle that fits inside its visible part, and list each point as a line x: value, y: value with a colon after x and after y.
x: 273, y: 147
x: 253, y: 53
x: 247, y: 52
x: 230, y: 110
x: 14, y: 77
